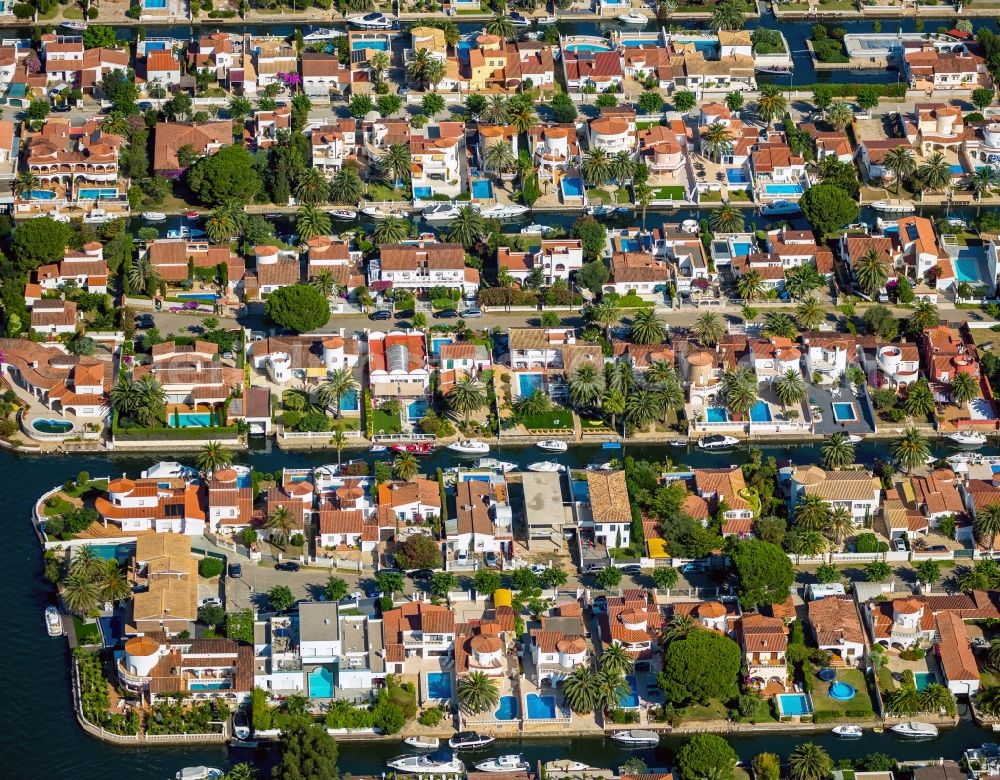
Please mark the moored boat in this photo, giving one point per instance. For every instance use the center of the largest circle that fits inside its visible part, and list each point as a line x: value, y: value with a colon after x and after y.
x: 424, y: 743
x: 632, y: 18
x: 503, y: 211
x: 426, y: 765
x: 376, y: 212
x: 847, y: 731
x: 440, y: 212
x: 342, y: 213
x: 53, y: 621
x: 716, y: 441
x: 855, y: 438
x: 914, y: 729
x: 509, y: 762
x: 469, y: 447
x: 199, y: 773
x: 780, y: 207
x: 74, y: 26
x: 546, y: 466
x: 894, y: 206
x: 371, y: 21
x: 519, y: 21
x: 470, y: 739
x: 552, y: 445
x: 494, y: 464
x: 967, y: 438
x: 636, y: 738
x: 414, y: 448
x: 154, y: 216
x: 566, y: 765
x: 536, y: 229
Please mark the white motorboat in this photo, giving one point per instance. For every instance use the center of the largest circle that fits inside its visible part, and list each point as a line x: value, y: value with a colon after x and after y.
x: 600, y: 211
x: 632, y: 17
x: 342, y: 213
x: 967, y: 438
x: 469, y: 447
x: 185, y: 232
x: 74, y: 26
x: 519, y: 21
x: 964, y: 458
x: 503, y: 211
x: 779, y: 208
x: 855, y: 438
x: 776, y: 70
x: 552, y: 445
x: 424, y: 743
x: 894, y: 206
x: 678, y: 443
x: 376, y: 212
x: 690, y: 226
x: 848, y: 731
x: 636, y: 738
x: 914, y: 729
x: 566, y: 765
x: 321, y: 34
x: 549, y: 466
x: 426, y: 765
x: 536, y: 230
x: 546, y: 20
x: 199, y: 773
x: 717, y: 441
x: 372, y: 21
x: 96, y: 216
x: 509, y: 762
x: 495, y: 465
x: 440, y: 212
x: 469, y: 740
x: 53, y: 621
x: 154, y: 216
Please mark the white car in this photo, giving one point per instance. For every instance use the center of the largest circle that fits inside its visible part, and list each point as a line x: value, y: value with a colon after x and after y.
x: 355, y: 597
x: 462, y: 557
x: 537, y: 568
x: 211, y: 601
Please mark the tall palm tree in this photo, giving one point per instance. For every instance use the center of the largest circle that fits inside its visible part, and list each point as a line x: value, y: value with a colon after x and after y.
x: 436, y: 71
x: 338, y: 383
x: 642, y: 407
x: 771, y: 104
x: 643, y: 197
x: 739, y: 391
x: 143, y: 276
x: 840, y: 525
x: 809, y: 762
x: 467, y: 396
x: 338, y: 441
x: 911, y: 450
x: 124, y: 396
x: 311, y: 222
x: 502, y: 27
x: 810, y: 314
x: 716, y: 141
x: 812, y: 513
x: 609, y: 690
x: 279, y: 525
x: 801, y: 281
x: 312, y: 186
x: 709, y: 329
x: 900, y: 163
x: 621, y: 377
x: 622, y: 168
x: 394, y: 164
x: 983, y: 181
x: 837, y: 452
x: 325, y: 282
x: 578, y: 690
x: 727, y: 219
x: 221, y: 225
x: 86, y: 563
x: 668, y: 388
x: 523, y: 117
x: 987, y: 523
x: 750, y: 285
x: 418, y: 66
x: 615, y: 659
x: 80, y: 594
x: 467, y: 227
x: 378, y: 64
x: 677, y: 628
x: 346, y: 186
x: 586, y: 386
x: 778, y: 325
x: 24, y: 185
x: 606, y: 313
x: 405, y: 465
x: 613, y: 403
x: 497, y: 111
x: 728, y: 15
x: 840, y: 115
x: 871, y: 271
x: 596, y: 166
x: 242, y: 771
x: 647, y: 327
x: 935, y: 174
x: 477, y: 693
x: 790, y: 388
x: 212, y: 457
x: 499, y: 158
x: 964, y: 388
x: 919, y: 401
x: 391, y: 230
x: 151, y: 401
x: 924, y: 315
x: 114, y: 583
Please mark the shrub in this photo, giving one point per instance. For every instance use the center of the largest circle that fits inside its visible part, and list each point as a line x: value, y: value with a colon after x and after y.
x: 210, y: 567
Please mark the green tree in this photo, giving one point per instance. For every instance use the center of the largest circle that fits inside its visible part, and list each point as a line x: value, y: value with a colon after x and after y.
x: 592, y: 234
x: 919, y: 401
x: 982, y: 97
x: 467, y: 227
x: 810, y: 314
x: 987, y: 524
x: 280, y: 524
x: 39, y: 241
x: 790, y: 388
x: 563, y: 108
x: 609, y: 577
x: 809, y: 761
x: 405, y: 466
x: 767, y: 766
x: 877, y: 571
x: 727, y: 219
x: 700, y: 667
x: 872, y: 272
x: 299, y: 307
x: 579, y: 690
x: 764, y: 573
x: 227, y: 176
x: 900, y: 163
x: 592, y: 276
x: 212, y: 457
x: 964, y: 388
x: 665, y: 577
x: 615, y: 660
x: 709, y: 329
x: 477, y: 693
x: 684, y: 100
x: 728, y: 15
x: 828, y: 207
x: 837, y: 452
x: 280, y: 598
x: 647, y: 327
x: 307, y: 752
x: 706, y: 756
x: 467, y: 396
x: 335, y: 589
x: 486, y: 582
x: 390, y: 583
x: 928, y: 572
x: 935, y: 173
x: 650, y: 102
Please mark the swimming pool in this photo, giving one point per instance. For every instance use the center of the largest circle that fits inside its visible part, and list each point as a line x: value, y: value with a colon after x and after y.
x: 844, y: 412
x: 211, y: 686
x: 783, y: 189
x: 93, y: 193
x: 200, y: 297
x: 436, y: 345
x: 154, y: 3
x: 540, y: 707
x: 737, y: 176
x: 586, y: 47
x: 630, y: 244
x: 793, y: 704
x: 423, y: 193
x: 702, y: 45
x: 630, y: 700
x: 52, y: 426
x: 528, y: 383
x: 190, y: 420
x: 742, y: 248
x: 438, y: 685
x: 349, y: 401
x: 760, y: 412
x: 716, y: 414
x: 841, y: 691
x: 507, y: 709
x: 482, y: 189
x: 113, y: 552
x: 571, y: 187
x: 417, y: 409
x: 957, y: 169
x: 321, y: 683
x: 379, y: 45
x: 42, y: 195
x: 923, y: 679
x: 968, y: 267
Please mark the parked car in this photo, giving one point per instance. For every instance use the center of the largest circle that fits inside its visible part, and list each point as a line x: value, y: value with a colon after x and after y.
x: 445, y: 314
x: 492, y: 560
x: 694, y: 567
x: 899, y: 545
x: 352, y: 597
x: 593, y: 568
x: 421, y: 574
x: 937, y: 548
x: 537, y: 568
x: 462, y: 557
x: 211, y: 601
x: 632, y: 568
x: 235, y: 571
x: 145, y: 105
x: 144, y: 321
x: 287, y: 566
x: 381, y: 314
x: 472, y: 312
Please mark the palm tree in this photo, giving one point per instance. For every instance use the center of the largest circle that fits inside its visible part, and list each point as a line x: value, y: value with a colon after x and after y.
x: 578, y: 690
x: 840, y: 115
x: 114, y: 583
x: 242, y: 771
x: 790, y: 388
x: 840, y: 525
x: 338, y: 383
x: 467, y: 227
x: 647, y: 327
x: 151, y: 401
x: 325, y: 282
x: 311, y: 222
x: 716, y: 141
x: 739, y: 391
x: 935, y: 174
x: 435, y: 73
x: 982, y: 182
x: 523, y: 117
x: 621, y: 377
x: 279, y: 525
x: 609, y: 689
x: 923, y: 316
x: 809, y: 762
x: 837, y: 452
x: 937, y: 698
x: 405, y: 465
x: 613, y: 403
x: 727, y: 219
x: 391, y: 230
x: 643, y: 197
x: 964, y: 388
x: 346, y: 186
x: 502, y: 27
x: 213, y: 457
x: 606, y: 313
x: 339, y: 441
x: 662, y: 377
x: 312, y: 186
x: 534, y: 404
x: 871, y: 271
x: 709, y: 329
x: 378, y: 64
x: 778, y: 325
x: 80, y: 594
x: 499, y: 158
x: 467, y: 396
x: 919, y: 401
x: 586, y: 386
x: 900, y: 163
x: 750, y: 285
x: 987, y: 523
x: 622, y: 168
x: 678, y: 627
x: 728, y: 15
x: 810, y: 314
x: 642, y: 407
x: 812, y: 513
x: 478, y: 693
x: 911, y: 449
x: 596, y: 166
x: 771, y: 104
x: 143, y: 276
x: 86, y: 563
x: 418, y: 66
x: 123, y: 397
x: 25, y: 184
x: 615, y: 660
x: 221, y: 225
x: 395, y: 164
x: 497, y: 111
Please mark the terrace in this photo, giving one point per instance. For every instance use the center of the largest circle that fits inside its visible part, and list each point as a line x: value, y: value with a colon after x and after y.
x: 837, y: 410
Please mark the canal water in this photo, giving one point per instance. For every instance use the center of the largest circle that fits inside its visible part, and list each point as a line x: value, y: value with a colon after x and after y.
x: 42, y: 739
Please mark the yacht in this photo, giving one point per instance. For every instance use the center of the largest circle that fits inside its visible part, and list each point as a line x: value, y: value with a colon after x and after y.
x: 74, y: 26
x: 469, y: 447
x: 777, y: 70
x: 414, y: 448
x: 600, y: 211
x: 552, y: 445
x: 377, y: 212
x: 96, y: 216
x: 378, y: 448
x: 372, y: 21
x: 854, y: 438
x: 546, y: 465
x: 547, y: 20
x: 519, y: 21
x: 779, y: 208
x: 633, y: 17
x: 566, y: 765
x: 342, y: 213
x: 321, y: 34
x: 154, y: 216
x: 185, y: 232
x: 199, y: 773
x: 53, y: 621
x: 503, y: 211
x: 495, y: 465
x: 469, y: 740
x: 967, y: 438
x: 717, y: 441
x: 894, y: 206
x: 636, y: 738
x: 915, y: 730
x: 848, y: 732
x: 509, y: 762
x: 440, y: 212
x: 426, y: 765
x: 691, y: 226
x: 536, y: 230
x: 424, y: 743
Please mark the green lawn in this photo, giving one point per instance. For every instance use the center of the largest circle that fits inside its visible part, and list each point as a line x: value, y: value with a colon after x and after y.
x: 647, y: 124
x: 709, y: 196
x: 86, y: 633
x: 383, y: 422
x: 673, y: 192
x: 714, y: 710
x: 94, y: 484
x: 380, y: 192
x: 860, y: 703
x: 557, y: 419
x: 57, y: 505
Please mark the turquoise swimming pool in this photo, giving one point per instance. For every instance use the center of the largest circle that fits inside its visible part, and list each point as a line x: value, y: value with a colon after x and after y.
x: 760, y: 412
x: 575, y: 48
x: 923, y: 679
x: 793, y: 704
x: 191, y: 420
x: 42, y: 195
x: 379, y: 45
x: 572, y: 187
x: 93, y: 193
x: 540, y: 707
x: 844, y: 412
x: 321, y: 683
x: 528, y: 383
x: 507, y: 709
x: 482, y: 189
x: 783, y: 189
x: 208, y: 686
x: 716, y: 414
x: 438, y: 685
